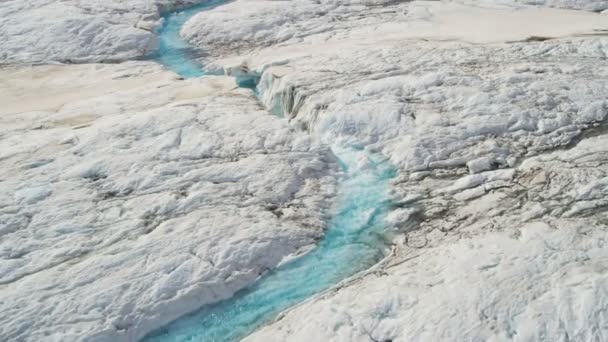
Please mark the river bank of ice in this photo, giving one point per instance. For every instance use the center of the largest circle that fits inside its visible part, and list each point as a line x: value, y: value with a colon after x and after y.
x: 499, y: 140
x: 132, y: 197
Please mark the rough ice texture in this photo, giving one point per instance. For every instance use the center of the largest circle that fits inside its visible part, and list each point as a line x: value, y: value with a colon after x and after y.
x: 502, y: 153
x: 585, y: 5
x: 549, y: 284
x: 495, y: 116
x: 80, y: 31
x: 438, y: 104
x: 95, y: 31
x: 130, y: 198
x: 524, y: 259
x: 244, y: 24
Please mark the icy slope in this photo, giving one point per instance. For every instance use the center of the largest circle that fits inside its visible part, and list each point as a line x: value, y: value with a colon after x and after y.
x: 94, y: 31
x: 524, y: 259
x: 79, y: 31
x: 435, y: 104
x: 142, y: 198
x: 494, y: 113
x: 585, y: 5
x: 500, y: 140
x: 313, y: 25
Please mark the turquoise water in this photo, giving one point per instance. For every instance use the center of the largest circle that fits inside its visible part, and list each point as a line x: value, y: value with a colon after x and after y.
x: 177, y: 55
x: 353, y: 242
x: 174, y: 52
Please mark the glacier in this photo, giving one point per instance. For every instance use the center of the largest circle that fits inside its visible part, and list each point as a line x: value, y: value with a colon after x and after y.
x: 133, y: 196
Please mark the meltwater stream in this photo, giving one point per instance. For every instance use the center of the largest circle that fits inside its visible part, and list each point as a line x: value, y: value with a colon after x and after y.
x: 174, y: 52
x: 353, y: 242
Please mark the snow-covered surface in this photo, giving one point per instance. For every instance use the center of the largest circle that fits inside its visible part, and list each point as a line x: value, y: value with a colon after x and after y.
x: 94, y: 30
x: 438, y: 104
x: 584, y: 5
x: 547, y: 284
x: 37, y: 31
x: 315, y: 26
x: 498, y: 237
x: 525, y: 262
x: 130, y: 198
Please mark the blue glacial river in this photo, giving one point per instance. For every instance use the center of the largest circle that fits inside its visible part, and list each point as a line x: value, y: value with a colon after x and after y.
x: 354, y: 240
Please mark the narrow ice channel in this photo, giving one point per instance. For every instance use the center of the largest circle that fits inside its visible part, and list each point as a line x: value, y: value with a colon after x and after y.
x: 173, y: 51
x: 353, y: 242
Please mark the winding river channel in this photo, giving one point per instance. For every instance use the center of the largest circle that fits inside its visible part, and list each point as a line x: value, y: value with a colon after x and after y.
x: 353, y: 242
